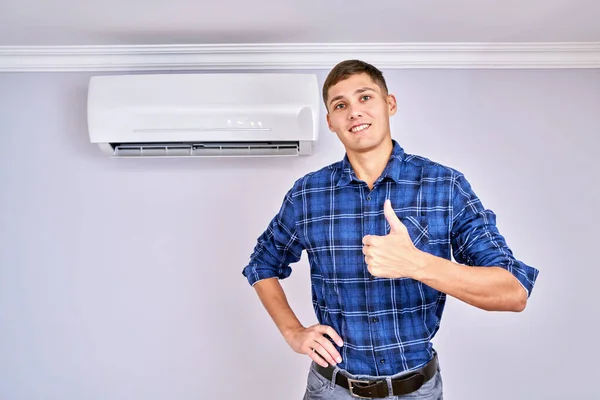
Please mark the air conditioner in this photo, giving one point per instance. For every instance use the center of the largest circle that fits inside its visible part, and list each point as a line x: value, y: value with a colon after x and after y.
x: 190, y: 115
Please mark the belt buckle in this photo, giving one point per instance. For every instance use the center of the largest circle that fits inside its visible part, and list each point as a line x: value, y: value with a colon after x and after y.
x: 351, y: 383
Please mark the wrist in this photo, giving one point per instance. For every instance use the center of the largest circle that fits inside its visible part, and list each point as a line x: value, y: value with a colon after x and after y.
x: 421, y: 265
x: 288, y: 331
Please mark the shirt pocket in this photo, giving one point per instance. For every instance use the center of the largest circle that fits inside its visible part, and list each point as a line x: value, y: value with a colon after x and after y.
x: 418, y: 230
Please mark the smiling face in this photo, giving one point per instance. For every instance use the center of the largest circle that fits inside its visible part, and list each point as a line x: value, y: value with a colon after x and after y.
x: 359, y: 113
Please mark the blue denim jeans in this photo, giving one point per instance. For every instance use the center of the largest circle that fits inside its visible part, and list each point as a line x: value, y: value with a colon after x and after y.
x: 319, y: 388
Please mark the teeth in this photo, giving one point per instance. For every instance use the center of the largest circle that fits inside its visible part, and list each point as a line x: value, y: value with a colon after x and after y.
x: 359, y: 128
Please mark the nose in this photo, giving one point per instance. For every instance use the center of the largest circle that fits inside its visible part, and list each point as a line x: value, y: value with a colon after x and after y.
x: 354, y: 113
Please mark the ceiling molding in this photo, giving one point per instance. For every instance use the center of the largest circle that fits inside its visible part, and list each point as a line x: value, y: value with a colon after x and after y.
x: 297, y: 56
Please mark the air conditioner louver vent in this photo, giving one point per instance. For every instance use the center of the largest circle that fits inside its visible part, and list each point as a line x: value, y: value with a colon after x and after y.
x: 205, y: 149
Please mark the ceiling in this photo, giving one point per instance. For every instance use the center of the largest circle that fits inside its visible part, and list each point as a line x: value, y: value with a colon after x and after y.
x: 141, y: 22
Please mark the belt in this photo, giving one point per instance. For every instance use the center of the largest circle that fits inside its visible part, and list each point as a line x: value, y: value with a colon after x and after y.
x: 366, y: 389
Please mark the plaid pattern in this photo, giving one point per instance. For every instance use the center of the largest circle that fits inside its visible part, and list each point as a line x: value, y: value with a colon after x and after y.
x: 386, y: 324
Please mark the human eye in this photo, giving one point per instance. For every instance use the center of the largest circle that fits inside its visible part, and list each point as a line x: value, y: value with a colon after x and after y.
x: 366, y: 97
x: 339, y: 106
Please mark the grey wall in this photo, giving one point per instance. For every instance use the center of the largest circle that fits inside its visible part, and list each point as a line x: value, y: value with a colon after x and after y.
x: 121, y: 279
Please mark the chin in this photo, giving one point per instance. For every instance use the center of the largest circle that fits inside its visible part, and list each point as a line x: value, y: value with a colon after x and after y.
x: 363, y: 147
x: 364, y: 143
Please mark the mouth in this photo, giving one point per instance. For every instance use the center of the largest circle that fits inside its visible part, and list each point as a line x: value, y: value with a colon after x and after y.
x: 359, y: 128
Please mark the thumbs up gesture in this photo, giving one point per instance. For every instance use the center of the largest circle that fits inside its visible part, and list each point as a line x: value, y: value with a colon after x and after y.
x: 393, y: 255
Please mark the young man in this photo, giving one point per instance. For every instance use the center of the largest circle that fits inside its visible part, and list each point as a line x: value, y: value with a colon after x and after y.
x: 379, y: 228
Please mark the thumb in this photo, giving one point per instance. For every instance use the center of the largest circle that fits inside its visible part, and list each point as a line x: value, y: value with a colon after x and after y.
x: 391, y: 217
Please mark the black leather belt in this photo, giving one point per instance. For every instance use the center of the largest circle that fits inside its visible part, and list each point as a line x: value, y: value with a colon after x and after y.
x: 378, y: 388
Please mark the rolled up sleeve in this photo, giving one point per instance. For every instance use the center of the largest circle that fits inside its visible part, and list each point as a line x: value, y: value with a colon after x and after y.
x: 476, y: 240
x: 277, y: 247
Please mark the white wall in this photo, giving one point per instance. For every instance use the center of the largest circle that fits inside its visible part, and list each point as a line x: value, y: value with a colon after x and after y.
x: 121, y: 279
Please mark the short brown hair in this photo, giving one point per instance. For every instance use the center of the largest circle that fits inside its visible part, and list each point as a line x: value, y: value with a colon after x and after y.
x: 346, y: 69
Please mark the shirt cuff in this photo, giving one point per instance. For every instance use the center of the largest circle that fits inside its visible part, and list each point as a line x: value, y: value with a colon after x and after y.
x: 255, y: 273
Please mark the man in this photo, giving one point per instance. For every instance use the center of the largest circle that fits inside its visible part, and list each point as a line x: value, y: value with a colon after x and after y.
x: 379, y: 228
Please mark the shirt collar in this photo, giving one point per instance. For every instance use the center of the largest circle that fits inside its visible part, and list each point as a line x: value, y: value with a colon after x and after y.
x: 391, y: 171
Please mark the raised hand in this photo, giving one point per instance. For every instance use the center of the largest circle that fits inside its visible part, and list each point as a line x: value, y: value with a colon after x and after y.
x: 393, y: 255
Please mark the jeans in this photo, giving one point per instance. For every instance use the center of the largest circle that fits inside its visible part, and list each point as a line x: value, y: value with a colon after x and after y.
x: 319, y: 388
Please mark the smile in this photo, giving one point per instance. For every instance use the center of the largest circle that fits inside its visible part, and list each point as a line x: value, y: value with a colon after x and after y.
x: 360, y: 128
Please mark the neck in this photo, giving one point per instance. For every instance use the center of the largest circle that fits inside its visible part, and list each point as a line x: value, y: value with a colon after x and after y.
x: 369, y: 166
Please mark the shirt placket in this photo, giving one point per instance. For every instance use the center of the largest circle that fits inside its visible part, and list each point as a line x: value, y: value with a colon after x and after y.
x: 371, y: 225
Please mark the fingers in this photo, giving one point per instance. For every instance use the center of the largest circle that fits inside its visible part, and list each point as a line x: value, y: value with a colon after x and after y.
x: 326, y: 352
x: 370, y: 240
x: 368, y: 251
x: 333, y: 334
x: 316, y: 357
x: 332, y: 355
x: 320, y: 349
x: 369, y: 254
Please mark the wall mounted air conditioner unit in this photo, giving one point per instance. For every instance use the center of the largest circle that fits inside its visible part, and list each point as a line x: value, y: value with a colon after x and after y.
x: 188, y: 115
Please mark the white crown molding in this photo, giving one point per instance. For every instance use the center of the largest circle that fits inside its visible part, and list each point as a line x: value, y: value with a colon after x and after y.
x: 297, y: 56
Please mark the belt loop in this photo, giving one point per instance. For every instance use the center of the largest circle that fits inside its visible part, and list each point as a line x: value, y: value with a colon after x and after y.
x: 333, y: 376
x: 388, y: 380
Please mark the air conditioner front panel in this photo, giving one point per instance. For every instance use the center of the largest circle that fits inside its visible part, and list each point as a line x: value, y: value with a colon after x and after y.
x: 278, y: 124
x: 203, y: 108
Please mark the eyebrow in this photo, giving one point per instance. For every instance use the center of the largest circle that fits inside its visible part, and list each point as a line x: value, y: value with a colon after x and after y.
x: 361, y: 90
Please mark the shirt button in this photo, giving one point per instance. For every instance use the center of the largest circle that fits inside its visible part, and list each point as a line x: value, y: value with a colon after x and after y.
x: 375, y: 319
x: 382, y: 361
x: 368, y: 198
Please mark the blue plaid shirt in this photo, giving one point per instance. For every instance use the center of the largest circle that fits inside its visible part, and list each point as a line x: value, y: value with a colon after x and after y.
x: 386, y: 324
